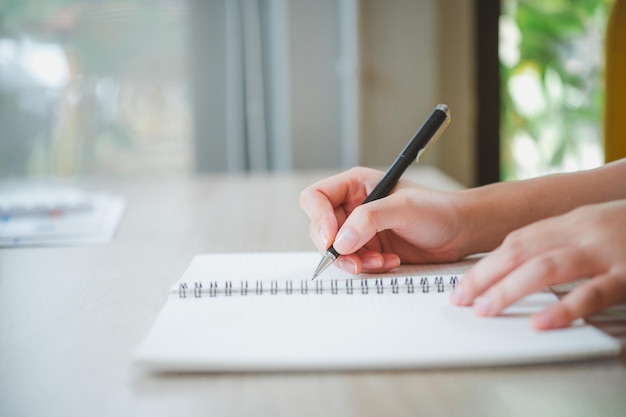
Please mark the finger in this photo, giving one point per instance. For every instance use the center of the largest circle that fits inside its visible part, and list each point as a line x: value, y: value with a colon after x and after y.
x: 370, y: 262
x: 374, y: 262
x: 367, y: 220
x: 349, y: 187
x: 485, y: 273
x: 350, y: 263
x: 517, y: 248
x: 390, y: 261
x: 321, y: 200
x: 323, y: 223
x: 363, y: 261
x: 552, y: 267
x: 598, y: 293
x: 321, y: 233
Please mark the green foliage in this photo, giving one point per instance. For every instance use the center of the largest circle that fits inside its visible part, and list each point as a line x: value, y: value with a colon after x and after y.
x: 560, y: 48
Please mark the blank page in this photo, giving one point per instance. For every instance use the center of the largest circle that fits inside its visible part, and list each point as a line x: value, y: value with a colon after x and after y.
x: 269, y: 327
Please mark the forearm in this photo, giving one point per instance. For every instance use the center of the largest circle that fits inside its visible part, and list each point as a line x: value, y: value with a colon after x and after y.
x: 493, y: 211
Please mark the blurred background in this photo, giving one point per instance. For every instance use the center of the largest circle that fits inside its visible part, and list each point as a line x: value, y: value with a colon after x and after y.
x: 132, y: 88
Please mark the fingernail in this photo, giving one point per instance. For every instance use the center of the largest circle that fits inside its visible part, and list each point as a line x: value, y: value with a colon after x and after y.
x: 347, y: 265
x: 456, y: 297
x: 482, y: 306
x: 346, y: 240
x: 372, y: 261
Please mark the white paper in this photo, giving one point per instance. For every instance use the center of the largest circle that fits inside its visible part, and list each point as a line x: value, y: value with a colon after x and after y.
x: 322, y: 330
x: 56, y: 215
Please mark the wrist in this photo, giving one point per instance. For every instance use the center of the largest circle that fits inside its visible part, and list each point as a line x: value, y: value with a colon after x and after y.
x: 484, y: 218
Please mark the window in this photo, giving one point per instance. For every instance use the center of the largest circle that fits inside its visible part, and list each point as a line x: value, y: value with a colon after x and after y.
x: 90, y: 87
x: 552, y: 88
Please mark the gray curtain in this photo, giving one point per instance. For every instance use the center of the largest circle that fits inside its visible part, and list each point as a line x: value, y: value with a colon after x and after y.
x: 274, y: 84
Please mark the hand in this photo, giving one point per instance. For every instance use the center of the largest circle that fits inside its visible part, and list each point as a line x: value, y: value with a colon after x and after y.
x: 588, y: 242
x: 413, y: 224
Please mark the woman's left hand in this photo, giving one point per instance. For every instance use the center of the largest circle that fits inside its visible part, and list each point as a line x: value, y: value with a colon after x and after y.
x: 588, y: 242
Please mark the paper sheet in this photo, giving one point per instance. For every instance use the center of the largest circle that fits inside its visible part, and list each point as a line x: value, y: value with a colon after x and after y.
x: 329, y: 331
x: 36, y: 215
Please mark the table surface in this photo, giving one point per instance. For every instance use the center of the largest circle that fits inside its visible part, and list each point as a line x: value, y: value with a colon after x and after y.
x: 70, y: 318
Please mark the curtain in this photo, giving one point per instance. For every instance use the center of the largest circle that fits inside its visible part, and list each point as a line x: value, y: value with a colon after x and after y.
x: 274, y: 84
x: 246, y: 130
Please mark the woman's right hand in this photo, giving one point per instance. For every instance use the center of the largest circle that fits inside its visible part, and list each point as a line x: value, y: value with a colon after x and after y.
x: 413, y: 224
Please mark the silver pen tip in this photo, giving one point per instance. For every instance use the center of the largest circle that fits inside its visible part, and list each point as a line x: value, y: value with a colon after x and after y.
x: 327, y: 259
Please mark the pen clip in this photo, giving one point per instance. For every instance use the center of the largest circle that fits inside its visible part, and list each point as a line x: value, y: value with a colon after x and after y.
x: 436, y: 136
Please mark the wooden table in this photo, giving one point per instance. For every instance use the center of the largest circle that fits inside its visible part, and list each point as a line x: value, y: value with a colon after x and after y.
x: 70, y: 318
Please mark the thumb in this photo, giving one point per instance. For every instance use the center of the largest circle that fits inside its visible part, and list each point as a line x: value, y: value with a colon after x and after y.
x: 365, y: 221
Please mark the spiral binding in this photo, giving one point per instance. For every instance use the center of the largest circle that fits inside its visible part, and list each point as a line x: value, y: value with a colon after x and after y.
x: 365, y: 286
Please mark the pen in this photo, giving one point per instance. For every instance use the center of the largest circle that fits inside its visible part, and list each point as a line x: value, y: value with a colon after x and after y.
x: 417, y: 147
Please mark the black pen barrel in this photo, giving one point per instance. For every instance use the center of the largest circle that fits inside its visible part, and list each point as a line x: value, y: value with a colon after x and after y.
x: 409, y: 154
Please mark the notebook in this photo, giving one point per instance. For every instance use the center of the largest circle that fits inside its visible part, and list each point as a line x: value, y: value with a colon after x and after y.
x: 242, y: 312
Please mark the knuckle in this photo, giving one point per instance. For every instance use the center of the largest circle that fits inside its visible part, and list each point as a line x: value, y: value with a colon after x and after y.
x: 565, y: 312
x: 408, y: 199
x: 619, y: 271
x: 304, y: 196
x: 364, y: 217
x: 514, y: 247
x: 470, y: 286
x: 589, y: 216
x: 593, y: 296
x: 513, y: 238
x: 581, y: 211
x: 357, y: 172
x: 546, y: 266
x: 309, y: 197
